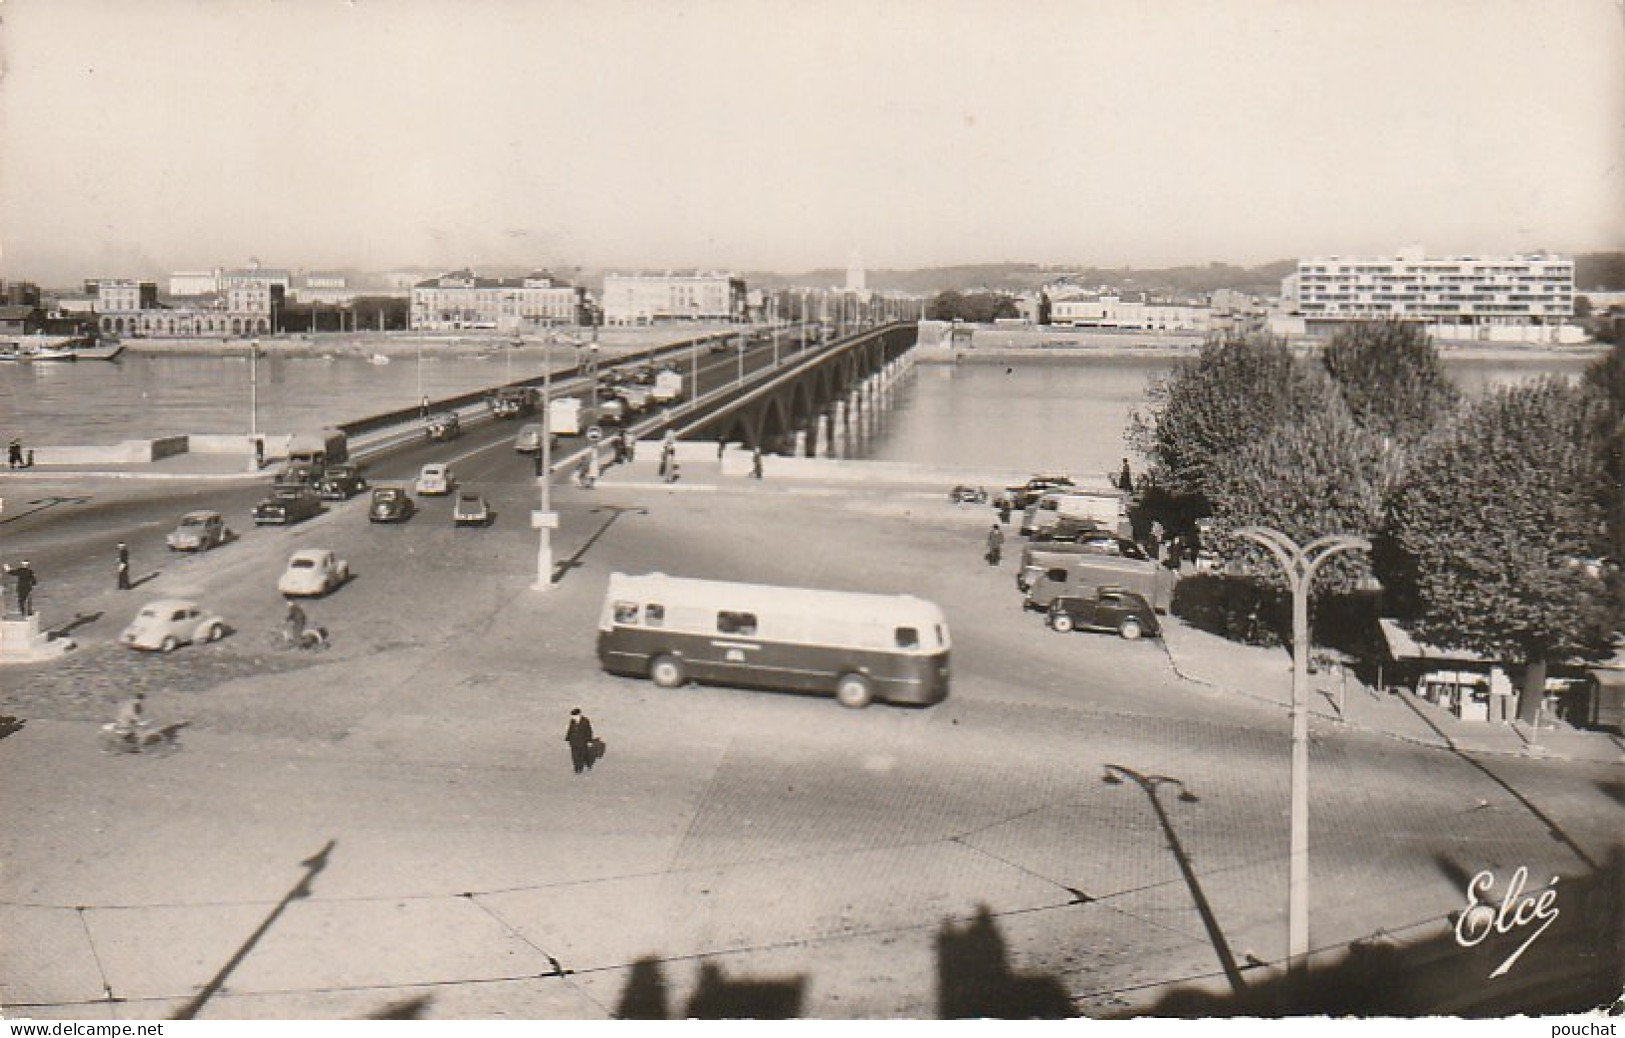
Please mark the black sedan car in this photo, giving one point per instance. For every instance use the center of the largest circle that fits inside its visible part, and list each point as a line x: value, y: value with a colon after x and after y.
x: 391, y: 505
x: 340, y: 483
x: 287, y: 505
x: 1108, y: 609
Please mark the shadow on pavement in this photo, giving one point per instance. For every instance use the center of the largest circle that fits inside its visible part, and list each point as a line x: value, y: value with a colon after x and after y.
x: 1575, y: 965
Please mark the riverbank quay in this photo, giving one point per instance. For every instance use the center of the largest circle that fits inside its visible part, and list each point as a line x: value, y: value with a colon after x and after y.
x: 412, y: 788
x: 395, y: 345
x: 1062, y: 352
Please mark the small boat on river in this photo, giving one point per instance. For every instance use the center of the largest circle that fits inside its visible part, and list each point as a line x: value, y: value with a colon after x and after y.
x: 40, y: 348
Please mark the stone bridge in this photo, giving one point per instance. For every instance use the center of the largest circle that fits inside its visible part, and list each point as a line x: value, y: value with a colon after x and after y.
x: 806, y: 403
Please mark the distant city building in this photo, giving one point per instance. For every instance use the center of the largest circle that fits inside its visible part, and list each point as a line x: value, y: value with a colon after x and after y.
x: 856, y: 278
x: 325, y: 290
x: 461, y: 300
x: 1488, y: 298
x: 19, y: 293
x: 245, y: 304
x: 186, y: 283
x: 636, y: 299
x: 1140, y: 311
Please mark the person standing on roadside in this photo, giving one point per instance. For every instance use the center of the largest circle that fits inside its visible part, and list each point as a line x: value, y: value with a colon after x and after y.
x: 123, y: 566
x: 14, y: 453
x: 26, y: 582
x: 756, y: 463
x: 579, y: 736
x: 995, y: 545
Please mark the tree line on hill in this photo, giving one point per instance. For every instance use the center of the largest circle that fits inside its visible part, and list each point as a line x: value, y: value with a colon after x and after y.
x: 1497, y: 523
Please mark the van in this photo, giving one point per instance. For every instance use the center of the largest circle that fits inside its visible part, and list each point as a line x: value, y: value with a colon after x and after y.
x: 860, y: 647
x: 1106, y: 509
x: 570, y: 416
x: 1081, y: 575
x: 1044, y: 555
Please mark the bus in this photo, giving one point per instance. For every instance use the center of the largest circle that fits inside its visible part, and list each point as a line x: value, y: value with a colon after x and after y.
x: 858, y: 647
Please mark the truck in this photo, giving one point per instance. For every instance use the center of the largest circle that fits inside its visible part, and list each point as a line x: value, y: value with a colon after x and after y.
x: 1106, y: 510
x: 319, y: 449
x: 570, y: 416
x: 1081, y: 575
x: 512, y: 401
x: 668, y: 387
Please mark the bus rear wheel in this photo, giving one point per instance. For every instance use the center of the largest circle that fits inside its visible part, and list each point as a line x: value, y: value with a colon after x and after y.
x: 854, y: 691
x: 666, y: 672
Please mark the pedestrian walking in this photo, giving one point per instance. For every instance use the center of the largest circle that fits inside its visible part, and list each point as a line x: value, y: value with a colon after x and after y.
x: 293, y: 625
x: 1004, y: 510
x: 579, y: 736
x: 1125, y: 478
x: 14, y: 453
x: 26, y: 583
x: 123, y: 567
x: 995, y: 545
x: 756, y: 463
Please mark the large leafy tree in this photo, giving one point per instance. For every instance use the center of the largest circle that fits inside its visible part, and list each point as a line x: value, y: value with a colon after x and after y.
x: 1482, y: 535
x: 1234, y: 393
x: 1606, y: 379
x: 1391, y: 378
x: 1321, y: 475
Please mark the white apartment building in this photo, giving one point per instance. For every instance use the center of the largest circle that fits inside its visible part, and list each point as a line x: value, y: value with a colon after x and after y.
x: 194, y: 282
x: 461, y: 300
x: 325, y: 289
x: 635, y: 299
x: 1455, y: 295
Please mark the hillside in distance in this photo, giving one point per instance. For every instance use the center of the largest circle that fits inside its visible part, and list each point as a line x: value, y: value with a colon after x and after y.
x: 1021, y: 277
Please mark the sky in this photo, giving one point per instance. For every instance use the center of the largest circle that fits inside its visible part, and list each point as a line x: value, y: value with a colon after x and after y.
x: 140, y: 137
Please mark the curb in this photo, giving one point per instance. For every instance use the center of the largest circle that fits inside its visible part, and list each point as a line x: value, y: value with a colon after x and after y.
x: 1438, y: 743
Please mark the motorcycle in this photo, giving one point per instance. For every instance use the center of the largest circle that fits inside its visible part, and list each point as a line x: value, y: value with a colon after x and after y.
x: 142, y: 738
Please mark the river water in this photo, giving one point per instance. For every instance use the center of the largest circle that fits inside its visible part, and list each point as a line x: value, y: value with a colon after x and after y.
x: 1019, y: 415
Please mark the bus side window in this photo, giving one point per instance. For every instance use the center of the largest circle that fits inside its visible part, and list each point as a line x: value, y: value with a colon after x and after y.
x: 654, y: 615
x: 908, y: 638
x: 736, y: 623
x: 626, y: 612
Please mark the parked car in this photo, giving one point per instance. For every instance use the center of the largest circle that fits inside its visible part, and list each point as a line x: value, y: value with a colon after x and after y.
x: 313, y: 571
x: 1069, y: 529
x: 471, y: 510
x: 341, y: 482
x: 435, y: 480
x: 287, y: 505
x: 199, y: 531
x: 391, y: 505
x: 1020, y: 497
x: 169, y: 623
x: 444, y: 427
x: 1108, y: 609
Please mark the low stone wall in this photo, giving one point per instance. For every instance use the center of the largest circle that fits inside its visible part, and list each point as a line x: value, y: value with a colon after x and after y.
x: 130, y: 452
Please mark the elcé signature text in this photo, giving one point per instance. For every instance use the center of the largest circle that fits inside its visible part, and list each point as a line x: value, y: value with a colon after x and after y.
x: 1516, y: 910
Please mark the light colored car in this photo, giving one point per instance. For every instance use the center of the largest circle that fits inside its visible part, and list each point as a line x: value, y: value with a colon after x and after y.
x: 313, y: 571
x: 529, y: 440
x: 471, y: 510
x: 199, y: 531
x: 169, y: 623
x: 435, y: 479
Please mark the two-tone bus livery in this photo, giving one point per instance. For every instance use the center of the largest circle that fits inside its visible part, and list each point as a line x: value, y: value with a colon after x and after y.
x: 858, y: 647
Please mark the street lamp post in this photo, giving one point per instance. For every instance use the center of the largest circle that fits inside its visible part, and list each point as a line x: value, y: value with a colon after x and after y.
x: 545, y: 520
x: 1298, y: 565
x: 255, y: 452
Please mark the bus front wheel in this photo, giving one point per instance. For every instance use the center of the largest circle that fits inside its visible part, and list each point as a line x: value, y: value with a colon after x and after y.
x: 666, y: 672
x: 854, y: 691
